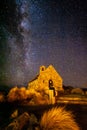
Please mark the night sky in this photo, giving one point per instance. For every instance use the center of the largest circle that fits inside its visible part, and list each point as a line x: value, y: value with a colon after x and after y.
x: 43, y: 32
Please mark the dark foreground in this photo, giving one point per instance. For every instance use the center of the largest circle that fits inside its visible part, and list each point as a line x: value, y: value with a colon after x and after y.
x: 80, y: 112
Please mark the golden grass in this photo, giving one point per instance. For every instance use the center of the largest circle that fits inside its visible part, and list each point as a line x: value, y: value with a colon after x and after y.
x: 58, y: 119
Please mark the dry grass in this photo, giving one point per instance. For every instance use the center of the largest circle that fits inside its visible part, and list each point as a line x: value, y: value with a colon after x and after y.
x: 58, y: 119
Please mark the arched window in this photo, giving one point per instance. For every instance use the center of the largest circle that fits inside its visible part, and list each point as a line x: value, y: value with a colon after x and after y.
x: 42, y: 68
x: 50, y: 84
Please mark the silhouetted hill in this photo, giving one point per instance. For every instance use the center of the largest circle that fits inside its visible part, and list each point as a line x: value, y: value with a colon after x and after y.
x: 4, y: 88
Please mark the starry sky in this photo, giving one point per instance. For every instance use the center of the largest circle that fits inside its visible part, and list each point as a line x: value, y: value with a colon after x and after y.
x: 43, y: 32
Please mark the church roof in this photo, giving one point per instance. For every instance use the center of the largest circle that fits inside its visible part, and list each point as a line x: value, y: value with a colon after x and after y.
x: 49, y: 68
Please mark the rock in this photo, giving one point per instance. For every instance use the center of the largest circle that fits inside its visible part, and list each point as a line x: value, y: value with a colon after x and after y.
x: 19, y: 123
x: 33, y: 123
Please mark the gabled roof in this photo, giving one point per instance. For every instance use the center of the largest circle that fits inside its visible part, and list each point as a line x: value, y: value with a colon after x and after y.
x: 50, y: 67
x: 34, y: 78
x: 51, y: 70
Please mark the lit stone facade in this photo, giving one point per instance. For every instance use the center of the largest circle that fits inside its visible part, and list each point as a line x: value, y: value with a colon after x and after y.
x: 45, y: 75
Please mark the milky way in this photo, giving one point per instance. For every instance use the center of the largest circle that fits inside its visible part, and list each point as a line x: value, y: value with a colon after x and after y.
x: 19, y: 61
x: 42, y: 33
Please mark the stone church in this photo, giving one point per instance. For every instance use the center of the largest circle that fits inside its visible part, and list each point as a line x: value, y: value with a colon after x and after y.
x: 48, y: 77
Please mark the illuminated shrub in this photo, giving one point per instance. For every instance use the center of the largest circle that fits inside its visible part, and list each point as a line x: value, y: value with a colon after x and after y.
x: 77, y: 91
x: 16, y: 94
x: 2, y: 98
